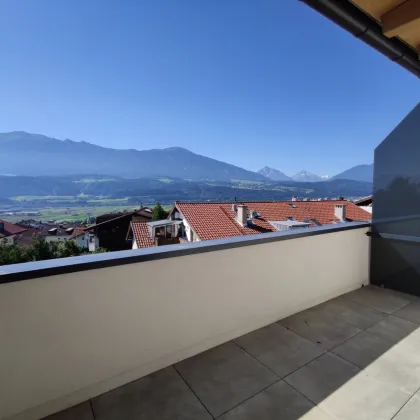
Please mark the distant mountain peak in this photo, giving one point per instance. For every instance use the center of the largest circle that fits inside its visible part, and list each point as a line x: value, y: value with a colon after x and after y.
x: 176, y: 149
x: 357, y: 173
x: 274, y: 174
x: 306, y: 176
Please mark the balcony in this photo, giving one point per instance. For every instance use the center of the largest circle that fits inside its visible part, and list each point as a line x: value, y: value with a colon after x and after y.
x: 271, y: 326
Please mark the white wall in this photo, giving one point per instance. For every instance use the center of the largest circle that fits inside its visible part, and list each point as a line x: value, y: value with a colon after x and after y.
x: 8, y: 240
x: 189, y: 231
x: 54, y: 238
x: 70, y: 337
x: 82, y: 240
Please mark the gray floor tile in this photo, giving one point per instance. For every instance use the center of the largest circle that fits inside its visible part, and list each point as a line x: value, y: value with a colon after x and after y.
x: 319, y: 327
x: 320, y: 378
x: 81, y: 411
x: 393, y: 329
x: 278, y: 402
x: 399, y: 366
x: 363, y: 349
x: 361, y: 316
x: 225, y: 376
x: 163, y: 395
x: 383, y: 300
x: 411, y: 312
x: 411, y: 411
x: 364, y: 398
x: 279, y: 349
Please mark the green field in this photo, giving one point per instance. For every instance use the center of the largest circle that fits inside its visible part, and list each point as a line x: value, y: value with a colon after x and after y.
x: 90, y: 180
x: 44, y: 197
x: 71, y: 214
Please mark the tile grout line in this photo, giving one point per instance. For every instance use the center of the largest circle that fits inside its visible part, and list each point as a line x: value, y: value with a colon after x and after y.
x: 284, y: 377
x: 418, y: 389
x: 312, y: 402
x: 396, y: 316
x: 247, y: 399
x: 249, y: 354
x: 318, y: 345
x: 372, y: 307
x: 190, y: 388
x: 91, y: 407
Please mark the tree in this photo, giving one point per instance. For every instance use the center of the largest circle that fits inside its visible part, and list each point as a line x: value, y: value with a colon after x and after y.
x: 159, y: 213
x: 38, y: 250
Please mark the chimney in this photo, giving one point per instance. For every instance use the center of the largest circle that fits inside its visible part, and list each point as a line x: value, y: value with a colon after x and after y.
x: 340, y: 212
x: 242, y: 214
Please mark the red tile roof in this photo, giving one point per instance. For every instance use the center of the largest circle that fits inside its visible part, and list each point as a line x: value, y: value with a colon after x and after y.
x: 10, y: 229
x: 216, y: 220
x: 79, y: 230
x: 141, y: 234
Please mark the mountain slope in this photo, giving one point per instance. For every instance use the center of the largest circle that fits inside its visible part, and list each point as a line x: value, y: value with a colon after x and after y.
x: 168, y: 190
x: 305, y: 176
x: 357, y: 173
x: 36, y: 155
x: 274, y: 174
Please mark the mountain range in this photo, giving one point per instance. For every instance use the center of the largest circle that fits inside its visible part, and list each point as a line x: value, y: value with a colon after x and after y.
x: 274, y: 174
x: 150, y: 190
x: 23, y: 153
x: 357, y: 173
x: 29, y: 154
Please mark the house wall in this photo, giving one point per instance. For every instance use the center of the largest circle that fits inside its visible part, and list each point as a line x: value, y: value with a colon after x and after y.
x: 82, y: 240
x: 54, y: 238
x: 93, y: 244
x: 8, y: 240
x: 70, y: 337
x: 189, y: 232
x: 135, y: 246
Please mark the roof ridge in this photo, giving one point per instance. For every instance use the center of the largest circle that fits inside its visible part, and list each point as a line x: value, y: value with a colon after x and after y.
x: 262, y: 201
x: 230, y: 220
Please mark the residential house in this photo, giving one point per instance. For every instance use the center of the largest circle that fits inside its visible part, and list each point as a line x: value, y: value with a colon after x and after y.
x: 365, y: 203
x: 85, y: 238
x: 204, y: 221
x: 56, y: 232
x: 9, y: 232
x: 111, y: 229
x: 161, y: 232
x: 27, y: 236
x: 191, y: 222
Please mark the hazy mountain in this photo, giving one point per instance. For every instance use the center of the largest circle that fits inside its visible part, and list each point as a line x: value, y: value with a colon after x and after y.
x: 171, y: 189
x: 357, y: 173
x: 325, y: 177
x: 274, y: 174
x: 305, y: 176
x: 23, y: 153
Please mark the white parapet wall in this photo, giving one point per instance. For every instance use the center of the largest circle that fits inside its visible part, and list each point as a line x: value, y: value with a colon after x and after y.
x: 70, y: 337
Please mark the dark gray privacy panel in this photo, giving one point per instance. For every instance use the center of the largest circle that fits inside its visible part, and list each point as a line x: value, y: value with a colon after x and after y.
x: 395, y: 251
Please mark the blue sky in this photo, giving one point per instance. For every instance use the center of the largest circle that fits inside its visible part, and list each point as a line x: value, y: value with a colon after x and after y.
x: 252, y: 83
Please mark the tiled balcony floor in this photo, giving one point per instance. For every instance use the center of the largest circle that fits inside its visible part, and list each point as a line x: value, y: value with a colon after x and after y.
x: 352, y: 358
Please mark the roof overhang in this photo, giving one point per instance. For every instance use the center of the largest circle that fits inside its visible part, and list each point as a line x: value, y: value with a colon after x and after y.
x: 390, y: 26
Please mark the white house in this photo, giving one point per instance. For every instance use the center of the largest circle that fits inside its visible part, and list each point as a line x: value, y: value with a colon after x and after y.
x: 85, y: 239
